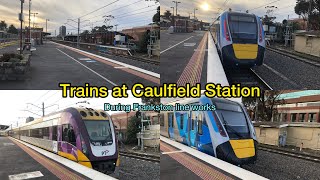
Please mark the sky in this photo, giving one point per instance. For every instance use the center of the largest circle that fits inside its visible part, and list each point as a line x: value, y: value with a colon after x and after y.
x: 14, y: 103
x: 208, y: 9
x: 127, y: 13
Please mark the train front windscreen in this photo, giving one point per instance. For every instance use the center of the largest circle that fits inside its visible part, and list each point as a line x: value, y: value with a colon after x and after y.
x: 100, y: 133
x: 233, y: 119
x: 243, y: 28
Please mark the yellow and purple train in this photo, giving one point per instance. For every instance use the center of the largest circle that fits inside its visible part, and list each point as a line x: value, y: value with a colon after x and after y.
x: 83, y: 135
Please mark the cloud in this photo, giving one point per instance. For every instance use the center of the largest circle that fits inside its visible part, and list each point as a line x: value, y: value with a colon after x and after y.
x: 59, y: 11
x: 187, y: 6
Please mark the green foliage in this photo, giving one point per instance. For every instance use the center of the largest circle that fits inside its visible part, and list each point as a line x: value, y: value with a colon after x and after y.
x: 167, y: 14
x: 143, y: 43
x: 266, y: 104
x: 3, y: 25
x: 133, y: 129
x: 302, y: 8
x: 156, y: 17
x: 7, y: 56
x: 12, y: 29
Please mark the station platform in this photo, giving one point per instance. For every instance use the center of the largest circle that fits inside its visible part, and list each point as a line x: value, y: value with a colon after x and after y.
x: 19, y: 161
x: 182, y: 162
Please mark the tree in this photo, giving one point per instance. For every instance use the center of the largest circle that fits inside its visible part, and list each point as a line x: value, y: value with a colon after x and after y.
x: 133, y: 129
x: 284, y: 22
x: 302, y: 9
x: 85, y: 32
x: 12, y: 29
x: 3, y: 25
x: 143, y: 42
x: 268, y: 102
x: 265, y: 106
x: 156, y: 17
x: 167, y: 14
x: 268, y: 20
x: 103, y: 28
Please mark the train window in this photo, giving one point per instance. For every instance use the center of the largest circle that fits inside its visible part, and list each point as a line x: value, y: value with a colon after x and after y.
x: 193, y: 120
x: 46, y: 133
x: 200, y: 122
x: 54, y: 133
x: 65, y: 128
x: 40, y: 133
x: 68, y: 134
x: 162, y: 120
x: 170, y: 119
x: 181, y: 121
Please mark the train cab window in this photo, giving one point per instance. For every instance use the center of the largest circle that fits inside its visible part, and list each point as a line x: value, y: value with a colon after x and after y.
x: 200, y: 122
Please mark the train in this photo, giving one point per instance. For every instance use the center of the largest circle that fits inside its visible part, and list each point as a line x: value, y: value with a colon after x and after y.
x: 239, y: 38
x: 84, y: 135
x: 226, y: 132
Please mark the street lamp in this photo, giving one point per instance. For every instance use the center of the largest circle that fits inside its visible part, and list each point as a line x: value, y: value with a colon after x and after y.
x: 34, y: 18
x: 21, y: 20
x: 177, y: 2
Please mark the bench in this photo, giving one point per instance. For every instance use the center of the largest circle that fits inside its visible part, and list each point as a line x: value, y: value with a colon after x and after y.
x: 31, y: 49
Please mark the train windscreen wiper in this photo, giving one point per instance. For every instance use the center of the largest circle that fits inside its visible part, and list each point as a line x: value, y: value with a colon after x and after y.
x: 229, y: 127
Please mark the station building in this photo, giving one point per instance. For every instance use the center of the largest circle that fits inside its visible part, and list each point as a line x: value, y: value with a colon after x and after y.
x: 296, y: 123
x: 299, y: 106
x: 304, y: 135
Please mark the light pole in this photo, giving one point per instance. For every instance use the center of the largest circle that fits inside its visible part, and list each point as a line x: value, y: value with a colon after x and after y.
x: 30, y: 21
x: 21, y: 20
x: 194, y: 13
x: 172, y: 10
x: 34, y: 18
x: 177, y: 2
x: 194, y: 17
x: 47, y: 25
x: 78, y: 39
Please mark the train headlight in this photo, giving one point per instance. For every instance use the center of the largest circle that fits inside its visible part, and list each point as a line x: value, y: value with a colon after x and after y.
x: 260, y: 33
x: 226, y: 32
x: 84, y: 148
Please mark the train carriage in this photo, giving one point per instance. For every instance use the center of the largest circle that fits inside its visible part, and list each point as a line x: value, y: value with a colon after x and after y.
x: 226, y: 133
x: 83, y: 135
x: 239, y: 38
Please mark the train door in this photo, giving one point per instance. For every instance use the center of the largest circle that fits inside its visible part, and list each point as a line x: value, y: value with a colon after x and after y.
x: 171, y: 125
x: 193, y: 125
x: 68, y: 144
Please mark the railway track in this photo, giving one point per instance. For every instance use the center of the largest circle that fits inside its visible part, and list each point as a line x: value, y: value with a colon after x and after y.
x: 246, y: 77
x: 147, y: 157
x: 292, y: 154
x: 150, y: 61
x: 145, y: 60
